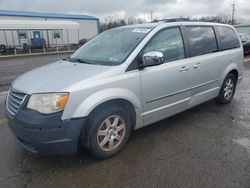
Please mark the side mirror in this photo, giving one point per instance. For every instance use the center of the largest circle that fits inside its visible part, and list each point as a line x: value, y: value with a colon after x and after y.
x: 152, y: 58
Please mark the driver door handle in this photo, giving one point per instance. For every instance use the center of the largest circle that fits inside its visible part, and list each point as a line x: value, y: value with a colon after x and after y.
x: 184, y: 68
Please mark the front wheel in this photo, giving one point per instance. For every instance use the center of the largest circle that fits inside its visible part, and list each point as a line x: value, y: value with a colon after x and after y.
x: 227, y: 90
x: 109, y: 131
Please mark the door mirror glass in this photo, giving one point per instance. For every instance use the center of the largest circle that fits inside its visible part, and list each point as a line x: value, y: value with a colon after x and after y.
x: 153, y: 58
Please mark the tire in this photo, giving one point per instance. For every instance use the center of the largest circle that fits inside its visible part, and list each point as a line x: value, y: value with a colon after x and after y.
x: 227, y: 90
x: 106, y: 127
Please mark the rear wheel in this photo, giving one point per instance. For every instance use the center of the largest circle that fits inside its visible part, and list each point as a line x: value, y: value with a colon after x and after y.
x: 228, y: 89
x: 109, y: 131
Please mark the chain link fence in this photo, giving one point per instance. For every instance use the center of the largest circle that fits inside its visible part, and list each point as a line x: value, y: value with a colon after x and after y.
x: 44, y: 41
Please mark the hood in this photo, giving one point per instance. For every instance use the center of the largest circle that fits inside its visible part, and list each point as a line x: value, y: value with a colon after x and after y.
x: 56, y: 77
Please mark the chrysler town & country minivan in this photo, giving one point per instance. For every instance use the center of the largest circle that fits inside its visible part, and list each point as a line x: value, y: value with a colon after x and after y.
x: 121, y: 80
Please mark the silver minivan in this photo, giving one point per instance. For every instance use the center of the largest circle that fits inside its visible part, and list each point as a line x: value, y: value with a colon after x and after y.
x: 121, y: 80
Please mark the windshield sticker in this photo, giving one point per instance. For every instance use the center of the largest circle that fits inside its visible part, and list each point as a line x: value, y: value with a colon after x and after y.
x: 141, y: 30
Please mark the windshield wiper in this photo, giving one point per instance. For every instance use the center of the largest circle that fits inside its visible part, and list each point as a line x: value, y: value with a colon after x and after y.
x: 76, y: 60
x: 82, y: 61
x: 69, y: 59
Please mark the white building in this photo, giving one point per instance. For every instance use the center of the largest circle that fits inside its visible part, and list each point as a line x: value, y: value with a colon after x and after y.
x: 17, y: 28
x: 19, y: 32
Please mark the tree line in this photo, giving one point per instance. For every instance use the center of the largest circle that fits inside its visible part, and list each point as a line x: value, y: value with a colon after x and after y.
x: 132, y: 20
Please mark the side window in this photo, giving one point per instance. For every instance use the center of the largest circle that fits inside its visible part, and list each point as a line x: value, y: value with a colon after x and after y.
x: 228, y: 37
x: 56, y: 35
x: 170, y: 43
x: 202, y: 40
x: 22, y: 34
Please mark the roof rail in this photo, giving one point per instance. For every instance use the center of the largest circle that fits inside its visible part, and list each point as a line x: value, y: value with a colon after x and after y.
x: 171, y: 20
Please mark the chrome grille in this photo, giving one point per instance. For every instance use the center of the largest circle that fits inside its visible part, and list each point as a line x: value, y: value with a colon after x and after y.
x: 14, y: 100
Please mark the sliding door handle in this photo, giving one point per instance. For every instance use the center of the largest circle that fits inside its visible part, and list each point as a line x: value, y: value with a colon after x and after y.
x: 184, y: 68
x: 197, y: 65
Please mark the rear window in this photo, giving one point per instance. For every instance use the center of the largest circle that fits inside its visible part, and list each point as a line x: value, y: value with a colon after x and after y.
x: 228, y: 38
x: 202, y: 40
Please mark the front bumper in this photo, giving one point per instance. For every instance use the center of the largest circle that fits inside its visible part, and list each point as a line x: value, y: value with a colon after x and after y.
x: 46, y: 134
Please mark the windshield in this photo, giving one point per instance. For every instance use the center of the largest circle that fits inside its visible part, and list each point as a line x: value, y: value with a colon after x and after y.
x: 110, y: 47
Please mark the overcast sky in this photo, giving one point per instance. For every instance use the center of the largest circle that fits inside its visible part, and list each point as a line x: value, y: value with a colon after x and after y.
x: 137, y: 8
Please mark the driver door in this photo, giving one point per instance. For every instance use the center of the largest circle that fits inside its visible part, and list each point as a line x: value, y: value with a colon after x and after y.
x: 166, y: 88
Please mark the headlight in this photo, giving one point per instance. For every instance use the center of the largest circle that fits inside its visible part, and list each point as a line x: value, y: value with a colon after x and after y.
x: 48, y: 103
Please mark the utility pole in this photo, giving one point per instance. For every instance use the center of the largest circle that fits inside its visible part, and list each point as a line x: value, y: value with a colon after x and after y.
x: 106, y: 24
x: 151, y: 15
x: 233, y: 12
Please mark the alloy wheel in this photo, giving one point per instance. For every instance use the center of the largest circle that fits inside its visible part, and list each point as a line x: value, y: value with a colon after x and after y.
x: 228, y: 89
x: 111, y: 133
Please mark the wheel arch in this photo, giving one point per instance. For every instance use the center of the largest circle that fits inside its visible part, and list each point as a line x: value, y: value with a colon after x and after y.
x: 128, y: 106
x: 232, y: 68
x: 111, y: 96
x: 120, y: 102
x: 235, y: 73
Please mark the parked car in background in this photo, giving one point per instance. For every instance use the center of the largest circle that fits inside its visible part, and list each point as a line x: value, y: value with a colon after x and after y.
x: 245, y: 39
x: 122, y: 80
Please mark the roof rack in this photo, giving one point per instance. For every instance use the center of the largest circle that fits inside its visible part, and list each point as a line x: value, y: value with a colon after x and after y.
x: 171, y: 20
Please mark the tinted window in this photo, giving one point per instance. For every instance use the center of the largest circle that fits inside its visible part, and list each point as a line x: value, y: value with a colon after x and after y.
x: 170, y: 43
x: 202, y: 40
x: 228, y: 37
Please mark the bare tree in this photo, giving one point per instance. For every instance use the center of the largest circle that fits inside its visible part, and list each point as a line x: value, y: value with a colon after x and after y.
x: 221, y: 18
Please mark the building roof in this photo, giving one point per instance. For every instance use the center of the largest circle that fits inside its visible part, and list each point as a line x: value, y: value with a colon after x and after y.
x: 37, y: 24
x: 46, y: 15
